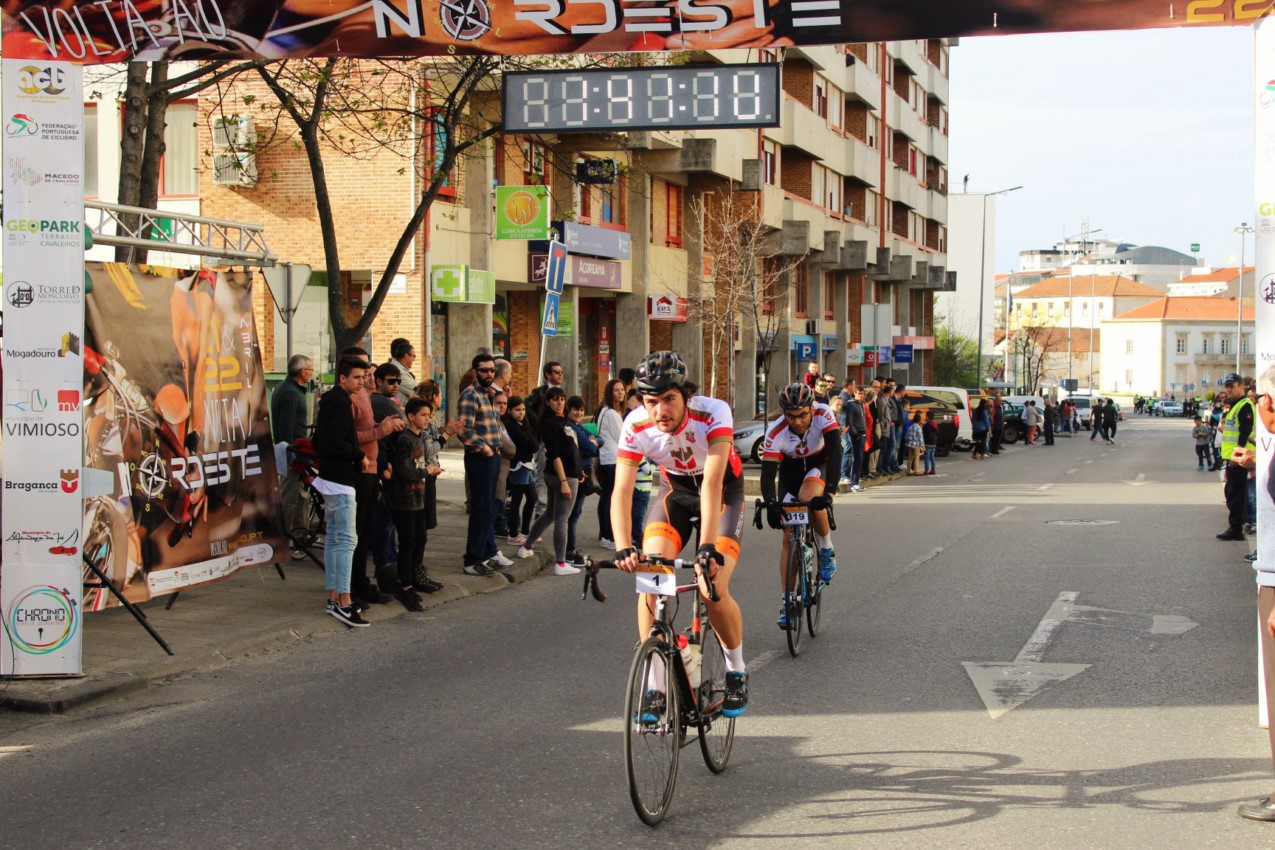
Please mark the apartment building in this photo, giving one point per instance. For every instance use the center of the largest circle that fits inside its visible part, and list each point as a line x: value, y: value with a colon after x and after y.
x: 1180, y: 344
x: 850, y: 190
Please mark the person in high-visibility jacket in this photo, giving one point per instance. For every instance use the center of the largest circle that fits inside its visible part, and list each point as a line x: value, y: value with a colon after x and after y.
x: 1237, y: 432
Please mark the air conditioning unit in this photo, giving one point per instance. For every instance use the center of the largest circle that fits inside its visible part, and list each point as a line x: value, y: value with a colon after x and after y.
x: 812, y: 327
x: 234, y: 169
x: 233, y: 131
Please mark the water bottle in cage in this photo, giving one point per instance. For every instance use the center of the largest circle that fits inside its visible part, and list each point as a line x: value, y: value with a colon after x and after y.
x: 692, y: 657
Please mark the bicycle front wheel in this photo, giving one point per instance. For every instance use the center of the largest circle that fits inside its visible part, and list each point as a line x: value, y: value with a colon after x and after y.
x: 716, y: 733
x: 814, y: 605
x: 652, y: 729
x: 792, y: 597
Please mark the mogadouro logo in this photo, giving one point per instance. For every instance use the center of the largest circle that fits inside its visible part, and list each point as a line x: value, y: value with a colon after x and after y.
x: 20, y: 124
x: 46, y: 80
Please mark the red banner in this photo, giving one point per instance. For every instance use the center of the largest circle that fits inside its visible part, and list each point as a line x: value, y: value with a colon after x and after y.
x: 99, y: 31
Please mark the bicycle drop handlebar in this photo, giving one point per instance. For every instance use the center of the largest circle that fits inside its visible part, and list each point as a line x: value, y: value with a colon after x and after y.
x: 591, y: 568
x: 761, y: 505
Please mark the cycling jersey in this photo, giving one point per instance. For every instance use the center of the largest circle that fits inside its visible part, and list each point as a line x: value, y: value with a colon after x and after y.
x: 684, y: 452
x: 782, y: 441
x: 681, y: 457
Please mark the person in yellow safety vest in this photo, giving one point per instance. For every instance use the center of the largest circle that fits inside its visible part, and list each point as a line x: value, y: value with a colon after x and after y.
x: 1237, y: 435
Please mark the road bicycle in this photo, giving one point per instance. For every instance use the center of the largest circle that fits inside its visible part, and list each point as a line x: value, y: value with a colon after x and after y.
x: 677, y: 682
x: 803, y: 589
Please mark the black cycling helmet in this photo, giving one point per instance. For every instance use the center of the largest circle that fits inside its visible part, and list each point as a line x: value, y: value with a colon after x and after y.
x: 796, y: 396
x: 660, y: 371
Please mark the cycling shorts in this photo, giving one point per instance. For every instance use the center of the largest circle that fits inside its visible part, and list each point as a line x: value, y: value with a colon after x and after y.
x: 677, y: 502
x: 796, y: 471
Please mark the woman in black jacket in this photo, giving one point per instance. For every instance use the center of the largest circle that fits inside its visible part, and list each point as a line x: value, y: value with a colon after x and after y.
x: 562, y: 475
x: 522, y: 484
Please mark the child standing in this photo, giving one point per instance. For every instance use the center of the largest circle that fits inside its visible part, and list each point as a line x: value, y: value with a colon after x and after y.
x: 406, y: 497
x: 522, y: 470
x: 1203, y: 441
x: 914, y: 439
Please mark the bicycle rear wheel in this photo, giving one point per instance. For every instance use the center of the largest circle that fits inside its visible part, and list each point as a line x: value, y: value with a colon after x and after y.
x: 792, y: 598
x: 651, y: 742
x: 716, y: 733
x: 814, y: 588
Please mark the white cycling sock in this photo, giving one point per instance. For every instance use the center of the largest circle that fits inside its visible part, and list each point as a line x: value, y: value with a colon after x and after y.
x: 655, y: 678
x: 825, y: 541
x: 735, y: 659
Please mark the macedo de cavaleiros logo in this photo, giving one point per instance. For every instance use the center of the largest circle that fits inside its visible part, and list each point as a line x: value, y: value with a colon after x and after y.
x: 522, y: 212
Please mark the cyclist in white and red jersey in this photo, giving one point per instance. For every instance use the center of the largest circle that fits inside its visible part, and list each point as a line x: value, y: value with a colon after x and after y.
x: 802, y: 447
x: 691, y: 439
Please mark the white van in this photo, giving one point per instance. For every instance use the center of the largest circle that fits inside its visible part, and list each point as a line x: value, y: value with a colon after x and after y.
x: 949, y: 407
x: 1023, y: 399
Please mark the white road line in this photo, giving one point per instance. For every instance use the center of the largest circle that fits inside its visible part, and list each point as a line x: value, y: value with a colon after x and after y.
x: 1034, y: 649
x: 933, y: 553
x: 1003, y: 511
x: 1072, y: 471
x: 1045, y: 486
x: 762, y: 660
x: 1089, y: 461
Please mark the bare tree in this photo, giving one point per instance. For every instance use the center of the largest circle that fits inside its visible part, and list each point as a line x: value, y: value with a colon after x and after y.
x: 746, y: 278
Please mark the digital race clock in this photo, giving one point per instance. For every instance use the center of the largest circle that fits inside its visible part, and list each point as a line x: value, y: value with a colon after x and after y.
x: 680, y: 97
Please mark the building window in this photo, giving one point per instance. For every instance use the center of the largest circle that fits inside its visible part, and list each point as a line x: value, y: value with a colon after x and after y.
x: 821, y: 98
x: 874, y: 132
x: 1226, y: 345
x: 1244, y: 344
x: 1204, y: 348
x: 1181, y: 344
x: 1128, y: 346
x: 801, y: 292
x: 534, y: 155
x: 871, y: 202
x: 178, y: 173
x: 673, y: 236
x: 436, y: 141
x: 1128, y: 377
x: 769, y: 162
x: 829, y: 294
x: 90, y: 150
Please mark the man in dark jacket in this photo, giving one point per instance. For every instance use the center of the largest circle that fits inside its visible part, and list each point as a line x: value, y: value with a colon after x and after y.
x: 998, y: 424
x: 289, y: 416
x: 855, y: 423
x: 341, y: 464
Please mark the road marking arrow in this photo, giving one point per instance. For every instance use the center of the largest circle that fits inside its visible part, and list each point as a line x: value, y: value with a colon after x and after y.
x: 1005, y: 685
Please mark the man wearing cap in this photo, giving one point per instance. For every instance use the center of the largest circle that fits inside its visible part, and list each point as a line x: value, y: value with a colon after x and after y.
x: 1237, y: 436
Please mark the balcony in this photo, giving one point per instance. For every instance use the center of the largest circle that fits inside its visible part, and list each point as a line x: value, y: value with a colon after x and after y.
x: 802, y: 129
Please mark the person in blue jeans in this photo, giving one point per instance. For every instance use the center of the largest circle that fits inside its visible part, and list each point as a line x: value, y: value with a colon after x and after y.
x: 342, y: 464
x: 590, y: 447
x: 930, y: 431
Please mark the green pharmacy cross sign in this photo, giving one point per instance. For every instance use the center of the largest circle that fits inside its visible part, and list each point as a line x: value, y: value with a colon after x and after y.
x: 461, y: 284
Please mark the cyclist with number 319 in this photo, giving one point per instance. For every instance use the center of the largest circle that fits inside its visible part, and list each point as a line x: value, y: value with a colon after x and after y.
x: 691, y: 438
x: 802, y: 447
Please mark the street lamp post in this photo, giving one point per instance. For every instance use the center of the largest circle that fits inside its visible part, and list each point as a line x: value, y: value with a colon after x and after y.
x: 1243, y: 230
x: 982, y: 276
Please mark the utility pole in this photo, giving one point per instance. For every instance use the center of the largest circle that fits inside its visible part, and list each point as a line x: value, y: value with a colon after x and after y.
x: 982, y: 273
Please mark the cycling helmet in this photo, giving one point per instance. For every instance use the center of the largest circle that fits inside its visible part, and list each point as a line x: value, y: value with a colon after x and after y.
x: 796, y: 396
x: 660, y: 371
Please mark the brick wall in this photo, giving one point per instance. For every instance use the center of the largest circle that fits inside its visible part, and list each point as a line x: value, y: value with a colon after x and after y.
x: 524, y: 334
x: 799, y: 81
x: 796, y: 174
x: 661, y: 336
x: 857, y: 119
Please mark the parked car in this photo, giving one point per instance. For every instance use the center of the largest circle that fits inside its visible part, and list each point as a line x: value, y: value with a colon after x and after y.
x: 1169, y: 407
x: 749, y: 440
x: 1083, y: 408
x: 1014, y: 428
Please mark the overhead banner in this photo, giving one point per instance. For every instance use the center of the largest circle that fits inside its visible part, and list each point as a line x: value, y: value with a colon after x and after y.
x: 40, y: 563
x: 176, y: 410
x: 100, y: 31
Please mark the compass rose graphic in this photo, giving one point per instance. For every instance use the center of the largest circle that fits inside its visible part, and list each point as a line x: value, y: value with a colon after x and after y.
x: 467, y: 20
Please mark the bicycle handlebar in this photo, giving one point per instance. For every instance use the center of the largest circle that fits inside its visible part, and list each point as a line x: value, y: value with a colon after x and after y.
x: 591, y: 568
x: 761, y: 505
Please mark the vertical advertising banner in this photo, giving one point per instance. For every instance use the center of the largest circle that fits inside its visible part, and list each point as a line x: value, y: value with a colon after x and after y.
x: 176, y: 412
x: 1264, y: 277
x: 40, y: 566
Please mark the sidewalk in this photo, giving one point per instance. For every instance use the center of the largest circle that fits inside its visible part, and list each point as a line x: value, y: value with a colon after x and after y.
x: 254, y: 611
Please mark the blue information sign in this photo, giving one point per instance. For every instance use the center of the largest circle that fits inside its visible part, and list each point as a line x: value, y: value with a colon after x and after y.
x: 902, y: 354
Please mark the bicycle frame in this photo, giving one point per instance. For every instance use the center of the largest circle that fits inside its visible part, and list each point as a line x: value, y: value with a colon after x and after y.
x: 663, y: 628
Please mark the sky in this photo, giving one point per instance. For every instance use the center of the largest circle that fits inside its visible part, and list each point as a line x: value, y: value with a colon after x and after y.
x: 1148, y: 134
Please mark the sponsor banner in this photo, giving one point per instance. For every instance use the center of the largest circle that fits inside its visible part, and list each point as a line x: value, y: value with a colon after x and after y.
x: 100, y: 31
x: 176, y: 410
x: 522, y: 212
x: 1264, y: 275
x: 41, y: 542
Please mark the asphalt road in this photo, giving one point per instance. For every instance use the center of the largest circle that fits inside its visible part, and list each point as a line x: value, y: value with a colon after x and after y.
x: 495, y: 721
